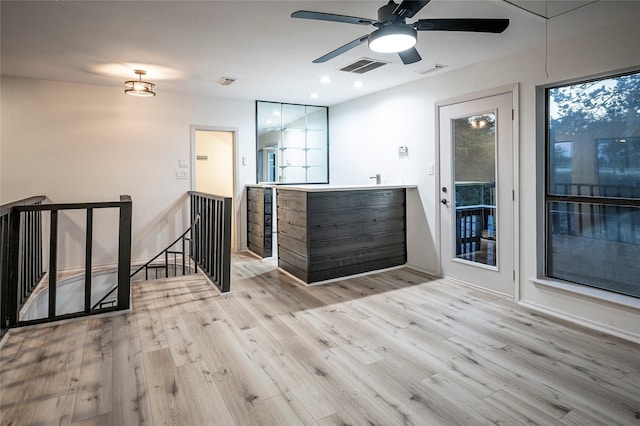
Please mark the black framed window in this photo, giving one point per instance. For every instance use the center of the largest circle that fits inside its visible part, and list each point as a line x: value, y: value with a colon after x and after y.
x: 592, y: 197
x: 292, y: 143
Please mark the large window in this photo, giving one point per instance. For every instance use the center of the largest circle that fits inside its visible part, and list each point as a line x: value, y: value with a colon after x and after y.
x: 592, y: 197
x: 292, y: 143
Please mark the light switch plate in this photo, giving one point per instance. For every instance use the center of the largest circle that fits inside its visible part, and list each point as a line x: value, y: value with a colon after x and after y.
x: 182, y: 175
x: 182, y: 163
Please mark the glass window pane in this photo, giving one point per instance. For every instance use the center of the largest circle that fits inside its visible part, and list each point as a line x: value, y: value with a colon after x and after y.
x: 593, y: 150
x: 595, y: 244
x: 475, y: 183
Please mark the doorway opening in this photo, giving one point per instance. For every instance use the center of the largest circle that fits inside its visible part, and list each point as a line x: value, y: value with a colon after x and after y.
x: 214, y: 166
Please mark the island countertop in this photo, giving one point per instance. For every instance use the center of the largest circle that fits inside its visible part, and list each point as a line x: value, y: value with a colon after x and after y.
x: 330, y: 187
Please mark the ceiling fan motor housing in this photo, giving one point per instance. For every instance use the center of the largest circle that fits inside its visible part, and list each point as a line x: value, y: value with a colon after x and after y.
x: 385, y: 13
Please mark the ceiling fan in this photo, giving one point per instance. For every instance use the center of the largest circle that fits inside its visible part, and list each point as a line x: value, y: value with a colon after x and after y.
x: 394, y: 35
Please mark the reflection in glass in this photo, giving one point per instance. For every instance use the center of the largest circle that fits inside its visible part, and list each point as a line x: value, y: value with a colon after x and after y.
x: 586, y: 234
x: 474, y: 140
x: 292, y: 143
x: 593, y: 157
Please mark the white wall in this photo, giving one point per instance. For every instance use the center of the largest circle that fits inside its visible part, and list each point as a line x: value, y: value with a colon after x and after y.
x: 371, y: 128
x: 80, y: 143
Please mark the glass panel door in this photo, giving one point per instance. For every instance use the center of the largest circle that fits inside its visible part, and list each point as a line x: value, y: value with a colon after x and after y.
x: 474, y: 159
x: 477, y: 238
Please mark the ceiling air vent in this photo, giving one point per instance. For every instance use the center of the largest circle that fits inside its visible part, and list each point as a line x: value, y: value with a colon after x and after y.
x: 432, y: 68
x: 226, y: 81
x: 363, y: 65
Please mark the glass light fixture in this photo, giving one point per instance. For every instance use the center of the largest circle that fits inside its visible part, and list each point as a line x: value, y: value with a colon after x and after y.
x: 139, y: 87
x: 393, y: 38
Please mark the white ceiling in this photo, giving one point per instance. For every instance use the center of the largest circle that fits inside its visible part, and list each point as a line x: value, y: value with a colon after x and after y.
x: 187, y: 46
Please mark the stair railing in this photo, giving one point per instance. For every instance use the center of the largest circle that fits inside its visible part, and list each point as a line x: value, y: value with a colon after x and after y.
x: 212, y: 237
x: 186, y: 266
x: 20, y: 257
x: 22, y: 245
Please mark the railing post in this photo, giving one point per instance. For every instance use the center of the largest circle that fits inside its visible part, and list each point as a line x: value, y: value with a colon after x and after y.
x: 124, y: 253
x: 87, y: 261
x: 10, y: 290
x: 225, y: 282
x: 53, y: 263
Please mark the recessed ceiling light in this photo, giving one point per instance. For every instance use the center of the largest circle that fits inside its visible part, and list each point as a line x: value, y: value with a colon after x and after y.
x: 314, y: 96
x: 358, y: 84
x: 276, y: 112
x: 325, y: 79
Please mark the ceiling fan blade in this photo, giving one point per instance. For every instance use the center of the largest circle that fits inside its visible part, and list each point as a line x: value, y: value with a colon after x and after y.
x: 481, y: 25
x: 340, y: 50
x: 408, y: 8
x: 410, y: 56
x: 321, y: 16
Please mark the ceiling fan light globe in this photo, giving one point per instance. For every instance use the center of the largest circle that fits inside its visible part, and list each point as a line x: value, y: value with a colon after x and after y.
x: 392, y: 39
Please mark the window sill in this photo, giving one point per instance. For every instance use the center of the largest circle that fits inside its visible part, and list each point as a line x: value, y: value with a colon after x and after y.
x: 589, y: 292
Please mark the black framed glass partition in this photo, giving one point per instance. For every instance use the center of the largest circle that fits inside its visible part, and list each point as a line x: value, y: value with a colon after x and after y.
x: 292, y: 143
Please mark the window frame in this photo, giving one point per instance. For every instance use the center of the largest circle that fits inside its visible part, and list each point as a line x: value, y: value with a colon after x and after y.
x: 544, y: 196
x: 257, y: 144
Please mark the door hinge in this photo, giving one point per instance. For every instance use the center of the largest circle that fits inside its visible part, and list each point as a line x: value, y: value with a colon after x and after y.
x: 514, y: 274
x: 513, y: 194
x: 513, y: 114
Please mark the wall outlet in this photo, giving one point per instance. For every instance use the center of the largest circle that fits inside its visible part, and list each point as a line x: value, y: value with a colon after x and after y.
x: 182, y: 175
x: 403, y: 150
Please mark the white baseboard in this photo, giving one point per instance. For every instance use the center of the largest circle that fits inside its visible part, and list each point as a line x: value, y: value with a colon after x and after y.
x: 597, y: 326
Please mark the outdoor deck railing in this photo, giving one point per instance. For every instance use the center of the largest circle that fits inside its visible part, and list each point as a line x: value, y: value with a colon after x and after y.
x: 604, y: 212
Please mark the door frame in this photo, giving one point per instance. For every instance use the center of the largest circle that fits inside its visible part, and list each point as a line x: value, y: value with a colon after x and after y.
x: 512, y: 90
x: 236, y: 169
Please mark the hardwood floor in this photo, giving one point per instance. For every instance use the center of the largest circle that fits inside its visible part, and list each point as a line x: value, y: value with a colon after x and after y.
x: 393, y: 348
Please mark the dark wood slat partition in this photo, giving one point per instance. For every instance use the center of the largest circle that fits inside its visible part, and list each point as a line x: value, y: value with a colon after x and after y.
x: 260, y: 220
x: 329, y: 234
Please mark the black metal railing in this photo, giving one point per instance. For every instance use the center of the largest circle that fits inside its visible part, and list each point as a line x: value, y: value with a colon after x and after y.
x: 170, y: 262
x: 211, y: 242
x: 22, y: 264
x: 603, y: 212
x: 205, y: 244
x: 20, y: 256
x: 472, y: 224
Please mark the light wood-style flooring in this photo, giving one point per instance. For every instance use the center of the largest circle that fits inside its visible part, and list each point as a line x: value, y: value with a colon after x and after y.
x: 392, y: 348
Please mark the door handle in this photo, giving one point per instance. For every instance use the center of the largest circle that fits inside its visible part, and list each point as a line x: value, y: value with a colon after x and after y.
x: 444, y: 201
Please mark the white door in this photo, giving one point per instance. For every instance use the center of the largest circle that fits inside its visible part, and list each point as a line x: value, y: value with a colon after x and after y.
x: 476, y: 192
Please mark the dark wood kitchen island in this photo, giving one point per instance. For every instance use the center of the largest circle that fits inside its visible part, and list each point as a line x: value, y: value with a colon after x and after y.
x: 326, y: 232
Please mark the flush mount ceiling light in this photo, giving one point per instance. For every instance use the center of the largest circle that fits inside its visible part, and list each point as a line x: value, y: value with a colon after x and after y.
x: 139, y: 87
x: 393, y: 39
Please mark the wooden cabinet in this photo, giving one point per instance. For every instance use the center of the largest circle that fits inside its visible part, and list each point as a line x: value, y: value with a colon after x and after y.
x: 260, y: 220
x: 333, y: 233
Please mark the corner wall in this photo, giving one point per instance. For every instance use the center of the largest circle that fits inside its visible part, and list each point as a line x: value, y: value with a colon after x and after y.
x: 366, y: 134
x: 83, y: 143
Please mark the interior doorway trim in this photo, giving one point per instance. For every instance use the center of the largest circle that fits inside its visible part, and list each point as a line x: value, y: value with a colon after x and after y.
x: 236, y: 169
x: 513, y: 90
